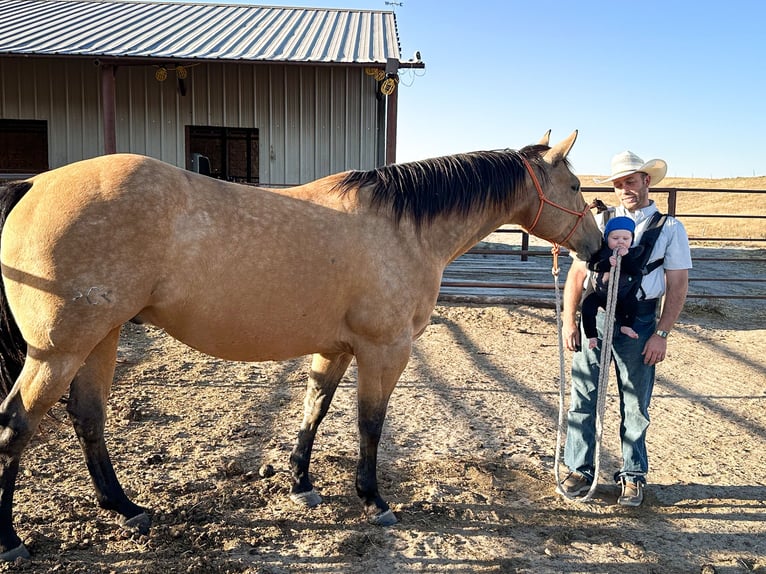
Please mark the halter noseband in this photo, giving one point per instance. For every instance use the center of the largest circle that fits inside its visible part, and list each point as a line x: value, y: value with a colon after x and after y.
x: 544, y: 200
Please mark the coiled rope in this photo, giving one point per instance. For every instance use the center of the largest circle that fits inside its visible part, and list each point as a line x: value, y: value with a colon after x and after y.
x: 603, y: 379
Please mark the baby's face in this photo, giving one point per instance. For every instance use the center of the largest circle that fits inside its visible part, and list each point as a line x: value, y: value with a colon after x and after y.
x: 619, y: 238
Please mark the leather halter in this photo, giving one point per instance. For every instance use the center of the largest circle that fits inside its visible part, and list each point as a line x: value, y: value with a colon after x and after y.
x: 544, y: 200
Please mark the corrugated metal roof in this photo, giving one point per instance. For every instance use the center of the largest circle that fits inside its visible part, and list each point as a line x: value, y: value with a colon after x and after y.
x: 190, y: 31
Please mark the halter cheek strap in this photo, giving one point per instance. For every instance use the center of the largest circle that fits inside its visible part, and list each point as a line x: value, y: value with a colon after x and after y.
x: 544, y: 200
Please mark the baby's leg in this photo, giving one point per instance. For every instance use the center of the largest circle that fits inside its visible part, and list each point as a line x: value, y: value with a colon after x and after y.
x: 625, y: 330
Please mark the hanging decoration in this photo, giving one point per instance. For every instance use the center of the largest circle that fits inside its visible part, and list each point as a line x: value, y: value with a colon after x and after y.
x: 387, y: 81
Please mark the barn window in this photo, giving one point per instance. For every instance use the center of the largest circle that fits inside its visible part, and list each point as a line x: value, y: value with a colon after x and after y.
x: 226, y: 153
x: 23, y: 146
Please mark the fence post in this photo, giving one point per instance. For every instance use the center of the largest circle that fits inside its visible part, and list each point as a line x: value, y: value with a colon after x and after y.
x: 524, y: 245
x: 672, y: 193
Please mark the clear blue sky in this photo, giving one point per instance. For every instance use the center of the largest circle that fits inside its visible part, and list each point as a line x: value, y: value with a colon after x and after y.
x: 681, y: 80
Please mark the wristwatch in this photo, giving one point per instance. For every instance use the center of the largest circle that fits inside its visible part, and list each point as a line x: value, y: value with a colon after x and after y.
x: 661, y: 333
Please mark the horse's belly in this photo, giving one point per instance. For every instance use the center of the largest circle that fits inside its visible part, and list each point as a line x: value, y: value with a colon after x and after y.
x: 243, y: 337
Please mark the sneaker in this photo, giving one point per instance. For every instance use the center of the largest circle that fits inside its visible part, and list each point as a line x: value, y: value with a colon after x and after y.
x: 574, y: 484
x: 632, y: 493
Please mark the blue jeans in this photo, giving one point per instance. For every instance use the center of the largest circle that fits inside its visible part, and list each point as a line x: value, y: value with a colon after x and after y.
x: 635, y: 382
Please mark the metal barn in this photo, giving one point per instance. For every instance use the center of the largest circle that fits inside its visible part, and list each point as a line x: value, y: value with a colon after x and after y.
x: 258, y: 94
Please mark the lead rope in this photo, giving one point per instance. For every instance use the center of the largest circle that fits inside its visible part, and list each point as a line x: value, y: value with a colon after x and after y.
x: 603, y: 379
x: 562, y: 377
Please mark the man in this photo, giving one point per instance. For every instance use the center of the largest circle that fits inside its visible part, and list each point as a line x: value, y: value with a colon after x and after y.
x: 634, y: 359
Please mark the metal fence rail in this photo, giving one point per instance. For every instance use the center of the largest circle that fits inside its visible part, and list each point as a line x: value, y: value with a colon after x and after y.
x: 521, y: 272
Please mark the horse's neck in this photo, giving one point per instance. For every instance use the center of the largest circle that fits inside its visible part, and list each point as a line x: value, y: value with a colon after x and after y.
x: 453, y: 236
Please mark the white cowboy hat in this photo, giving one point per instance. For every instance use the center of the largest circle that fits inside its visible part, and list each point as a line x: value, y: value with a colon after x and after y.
x: 627, y: 162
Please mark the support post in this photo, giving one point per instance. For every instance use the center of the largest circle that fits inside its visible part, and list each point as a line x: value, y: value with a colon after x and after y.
x: 108, y: 73
x: 392, y: 101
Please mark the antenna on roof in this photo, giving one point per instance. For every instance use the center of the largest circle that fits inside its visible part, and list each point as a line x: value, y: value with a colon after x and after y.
x: 394, y: 3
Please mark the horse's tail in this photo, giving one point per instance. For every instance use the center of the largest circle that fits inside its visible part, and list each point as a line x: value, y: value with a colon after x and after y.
x: 13, y: 349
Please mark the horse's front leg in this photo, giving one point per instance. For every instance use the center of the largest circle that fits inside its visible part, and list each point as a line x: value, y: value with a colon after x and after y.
x: 326, y: 373
x: 86, y: 407
x: 379, y: 371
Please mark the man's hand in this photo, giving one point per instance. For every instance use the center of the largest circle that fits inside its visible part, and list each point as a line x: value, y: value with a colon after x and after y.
x: 571, y: 335
x: 676, y: 286
x: 654, y: 350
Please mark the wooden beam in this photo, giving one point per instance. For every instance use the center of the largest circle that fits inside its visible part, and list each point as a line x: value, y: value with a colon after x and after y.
x: 108, y: 101
x: 391, y: 119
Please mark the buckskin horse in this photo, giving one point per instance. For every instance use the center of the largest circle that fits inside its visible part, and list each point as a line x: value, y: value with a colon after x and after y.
x: 348, y: 266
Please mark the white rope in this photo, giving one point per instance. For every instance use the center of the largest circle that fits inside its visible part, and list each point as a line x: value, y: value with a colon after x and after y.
x: 603, y: 379
x: 562, y: 380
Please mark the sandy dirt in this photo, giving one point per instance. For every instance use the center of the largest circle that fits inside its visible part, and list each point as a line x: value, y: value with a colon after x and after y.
x: 466, y: 461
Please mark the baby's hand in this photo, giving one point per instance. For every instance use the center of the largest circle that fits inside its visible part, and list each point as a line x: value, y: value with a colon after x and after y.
x: 612, y: 261
x: 622, y: 251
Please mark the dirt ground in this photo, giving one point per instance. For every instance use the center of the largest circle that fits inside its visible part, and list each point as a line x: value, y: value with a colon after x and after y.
x: 466, y: 461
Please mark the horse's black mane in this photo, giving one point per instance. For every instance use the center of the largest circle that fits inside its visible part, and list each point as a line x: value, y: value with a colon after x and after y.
x: 456, y: 184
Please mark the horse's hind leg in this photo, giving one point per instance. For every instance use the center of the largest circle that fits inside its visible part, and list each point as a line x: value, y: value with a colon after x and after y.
x: 86, y: 407
x: 42, y: 381
x: 326, y: 373
x: 15, y: 431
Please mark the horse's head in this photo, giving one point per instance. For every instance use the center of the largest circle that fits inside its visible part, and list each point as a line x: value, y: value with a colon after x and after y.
x: 560, y: 214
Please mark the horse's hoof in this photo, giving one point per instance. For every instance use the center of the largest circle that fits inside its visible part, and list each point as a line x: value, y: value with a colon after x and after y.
x: 308, y: 499
x: 139, y: 523
x: 19, y: 552
x: 386, y: 518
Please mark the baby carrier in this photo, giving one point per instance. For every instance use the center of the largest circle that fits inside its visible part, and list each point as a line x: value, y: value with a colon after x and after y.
x: 630, y: 284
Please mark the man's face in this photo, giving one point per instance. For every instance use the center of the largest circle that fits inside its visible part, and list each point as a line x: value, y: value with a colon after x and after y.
x: 633, y: 190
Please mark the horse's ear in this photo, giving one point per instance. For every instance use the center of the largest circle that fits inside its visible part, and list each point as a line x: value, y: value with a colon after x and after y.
x: 560, y: 150
x: 546, y: 139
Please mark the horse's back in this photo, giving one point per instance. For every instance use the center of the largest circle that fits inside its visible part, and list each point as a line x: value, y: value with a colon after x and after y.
x: 236, y: 271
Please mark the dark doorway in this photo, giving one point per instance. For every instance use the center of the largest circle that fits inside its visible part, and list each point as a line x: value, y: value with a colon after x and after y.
x: 231, y: 153
x: 23, y: 146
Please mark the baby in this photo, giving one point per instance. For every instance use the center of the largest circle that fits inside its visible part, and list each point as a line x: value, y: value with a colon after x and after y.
x: 618, y: 234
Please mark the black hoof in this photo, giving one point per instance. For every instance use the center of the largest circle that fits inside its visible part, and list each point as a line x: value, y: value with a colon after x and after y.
x: 19, y: 552
x: 385, y: 518
x: 308, y: 499
x: 140, y: 524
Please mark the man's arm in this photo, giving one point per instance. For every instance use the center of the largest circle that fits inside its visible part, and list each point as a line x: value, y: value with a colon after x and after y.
x: 676, y: 287
x: 572, y: 294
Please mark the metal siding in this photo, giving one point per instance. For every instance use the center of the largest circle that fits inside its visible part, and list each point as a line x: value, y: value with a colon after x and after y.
x: 11, y: 85
x: 323, y: 126
x: 311, y: 119
x: 216, y: 95
x: 261, y: 105
x: 338, y: 118
x: 246, y: 79
x: 43, y: 88
x: 276, y: 137
x: 153, y: 115
x: 200, y: 82
x: 308, y: 125
x: 65, y: 94
x: 58, y: 122
x: 354, y: 120
x: 294, y: 131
